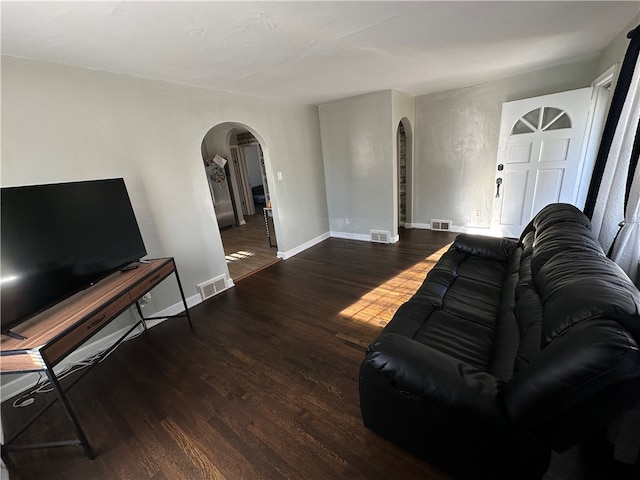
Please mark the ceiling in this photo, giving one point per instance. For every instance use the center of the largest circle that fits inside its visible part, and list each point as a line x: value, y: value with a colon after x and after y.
x: 313, y: 52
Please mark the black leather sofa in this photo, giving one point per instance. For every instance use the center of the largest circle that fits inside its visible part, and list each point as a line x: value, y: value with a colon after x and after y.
x: 509, y: 349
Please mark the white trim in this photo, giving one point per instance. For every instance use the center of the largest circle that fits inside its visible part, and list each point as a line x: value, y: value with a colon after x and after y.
x: 422, y: 226
x: 606, y: 77
x: 176, y: 308
x: 351, y: 236
x: 600, y: 101
x: 303, y: 247
x: 361, y: 237
x: 487, y: 232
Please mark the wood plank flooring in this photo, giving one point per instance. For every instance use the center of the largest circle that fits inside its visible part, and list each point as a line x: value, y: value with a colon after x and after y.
x: 264, y: 387
x: 246, y: 247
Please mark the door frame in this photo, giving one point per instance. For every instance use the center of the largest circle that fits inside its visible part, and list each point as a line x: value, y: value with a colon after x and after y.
x: 600, y: 102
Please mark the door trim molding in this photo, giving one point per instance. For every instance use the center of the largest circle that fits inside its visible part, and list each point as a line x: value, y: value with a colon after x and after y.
x: 600, y: 101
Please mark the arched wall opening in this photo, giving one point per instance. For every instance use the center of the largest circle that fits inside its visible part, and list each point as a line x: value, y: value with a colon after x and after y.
x: 404, y: 155
x: 235, y: 159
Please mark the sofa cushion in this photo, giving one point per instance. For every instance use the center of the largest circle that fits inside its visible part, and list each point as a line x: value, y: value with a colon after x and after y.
x: 484, y: 247
x: 564, y: 214
x: 458, y: 337
x: 556, y: 239
x: 507, y: 338
x: 579, y: 286
x: 457, y: 308
x: 589, y: 358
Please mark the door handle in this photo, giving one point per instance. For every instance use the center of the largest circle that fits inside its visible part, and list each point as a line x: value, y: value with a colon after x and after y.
x: 498, y: 183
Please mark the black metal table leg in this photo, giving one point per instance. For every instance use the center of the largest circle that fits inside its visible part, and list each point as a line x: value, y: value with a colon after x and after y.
x: 184, y: 300
x: 72, y: 416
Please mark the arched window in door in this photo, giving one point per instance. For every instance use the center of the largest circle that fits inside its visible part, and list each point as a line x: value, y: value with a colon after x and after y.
x: 542, y: 119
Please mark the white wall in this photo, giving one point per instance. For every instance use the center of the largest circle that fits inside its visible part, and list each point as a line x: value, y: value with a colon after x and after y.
x: 216, y: 141
x: 357, y: 146
x: 614, y: 53
x: 62, y: 123
x: 252, y: 158
x: 456, y: 142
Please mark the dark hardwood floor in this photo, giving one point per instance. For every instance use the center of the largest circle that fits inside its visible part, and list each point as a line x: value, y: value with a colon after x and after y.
x: 246, y: 247
x: 264, y: 387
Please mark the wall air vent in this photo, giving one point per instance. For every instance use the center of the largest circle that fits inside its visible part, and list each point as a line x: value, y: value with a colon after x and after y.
x: 441, y: 225
x: 212, y: 287
x: 380, y: 236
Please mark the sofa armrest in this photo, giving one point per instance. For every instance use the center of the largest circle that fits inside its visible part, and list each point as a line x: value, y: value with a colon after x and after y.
x: 574, y: 386
x: 454, y: 385
x: 486, y: 247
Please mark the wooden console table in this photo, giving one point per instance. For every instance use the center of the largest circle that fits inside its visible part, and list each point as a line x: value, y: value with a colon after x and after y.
x: 53, y: 334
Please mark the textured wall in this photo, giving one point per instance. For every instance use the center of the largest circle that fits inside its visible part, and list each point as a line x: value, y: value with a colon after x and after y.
x: 456, y: 142
x: 357, y: 146
x: 63, y: 124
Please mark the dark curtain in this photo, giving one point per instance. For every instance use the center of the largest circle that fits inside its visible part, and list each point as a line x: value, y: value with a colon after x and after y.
x: 619, y: 96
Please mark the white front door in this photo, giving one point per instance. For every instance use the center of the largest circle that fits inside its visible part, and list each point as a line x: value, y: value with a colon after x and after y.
x: 540, y: 155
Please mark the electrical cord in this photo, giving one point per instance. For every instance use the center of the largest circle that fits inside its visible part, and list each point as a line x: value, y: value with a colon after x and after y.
x: 43, y: 384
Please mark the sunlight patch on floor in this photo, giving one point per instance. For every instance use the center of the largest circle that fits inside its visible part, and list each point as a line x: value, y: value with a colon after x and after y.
x: 240, y: 255
x: 378, y: 306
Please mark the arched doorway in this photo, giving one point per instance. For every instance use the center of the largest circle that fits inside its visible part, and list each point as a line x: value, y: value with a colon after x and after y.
x: 404, y: 156
x: 234, y: 163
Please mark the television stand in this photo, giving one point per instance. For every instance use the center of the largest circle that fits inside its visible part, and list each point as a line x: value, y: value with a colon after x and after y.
x: 49, y: 337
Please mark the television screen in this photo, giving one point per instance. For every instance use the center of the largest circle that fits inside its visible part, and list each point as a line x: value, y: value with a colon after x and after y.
x: 58, y: 239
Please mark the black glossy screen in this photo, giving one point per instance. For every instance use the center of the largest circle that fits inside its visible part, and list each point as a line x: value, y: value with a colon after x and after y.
x: 60, y: 238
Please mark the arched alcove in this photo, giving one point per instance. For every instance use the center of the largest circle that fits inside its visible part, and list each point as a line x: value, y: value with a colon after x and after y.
x: 404, y: 157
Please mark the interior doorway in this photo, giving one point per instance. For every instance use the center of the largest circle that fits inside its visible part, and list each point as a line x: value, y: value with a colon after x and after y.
x: 234, y: 163
x: 404, y: 162
x: 402, y: 175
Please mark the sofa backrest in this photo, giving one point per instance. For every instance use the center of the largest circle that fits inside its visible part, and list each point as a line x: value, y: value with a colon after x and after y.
x: 579, y: 320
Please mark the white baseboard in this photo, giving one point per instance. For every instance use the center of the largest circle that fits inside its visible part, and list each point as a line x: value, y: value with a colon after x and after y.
x: 361, y: 237
x: 351, y: 236
x: 304, y: 246
x: 485, y: 231
x: 472, y: 230
x: 176, y: 308
x: 421, y: 226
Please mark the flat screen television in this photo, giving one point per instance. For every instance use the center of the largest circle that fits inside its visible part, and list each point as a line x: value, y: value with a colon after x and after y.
x: 58, y: 239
